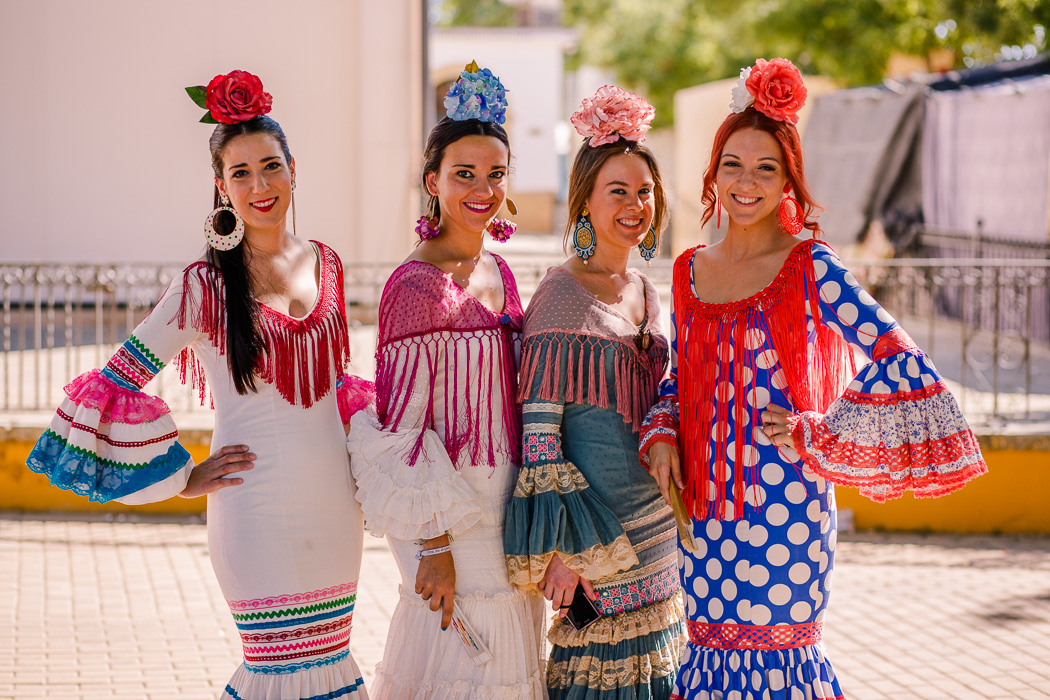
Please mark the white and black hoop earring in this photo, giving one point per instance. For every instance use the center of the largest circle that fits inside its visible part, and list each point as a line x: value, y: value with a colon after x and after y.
x: 215, y: 239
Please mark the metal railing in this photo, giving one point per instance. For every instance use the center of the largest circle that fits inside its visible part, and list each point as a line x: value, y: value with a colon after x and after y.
x: 985, y: 322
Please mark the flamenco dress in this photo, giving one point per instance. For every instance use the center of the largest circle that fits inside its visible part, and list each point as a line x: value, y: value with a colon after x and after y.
x: 589, y: 376
x: 764, y: 517
x: 440, y: 453
x: 286, y: 543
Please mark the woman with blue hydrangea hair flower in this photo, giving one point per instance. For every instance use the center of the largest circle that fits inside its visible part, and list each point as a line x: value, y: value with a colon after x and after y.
x: 437, y: 459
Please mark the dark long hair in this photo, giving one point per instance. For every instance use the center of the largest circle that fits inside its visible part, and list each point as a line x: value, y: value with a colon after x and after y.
x: 786, y: 135
x: 590, y: 159
x: 445, y: 133
x: 244, y: 343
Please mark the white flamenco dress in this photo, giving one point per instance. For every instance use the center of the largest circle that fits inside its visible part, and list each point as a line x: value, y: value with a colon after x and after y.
x: 442, y: 456
x: 285, y: 544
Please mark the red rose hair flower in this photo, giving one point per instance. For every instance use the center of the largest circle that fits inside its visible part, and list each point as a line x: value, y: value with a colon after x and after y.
x: 236, y: 97
x: 232, y: 98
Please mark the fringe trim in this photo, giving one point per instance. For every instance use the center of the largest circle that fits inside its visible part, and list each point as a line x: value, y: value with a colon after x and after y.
x: 469, y: 409
x: 299, y: 354
x: 635, y: 376
x: 708, y: 332
x: 613, y: 629
x: 526, y: 570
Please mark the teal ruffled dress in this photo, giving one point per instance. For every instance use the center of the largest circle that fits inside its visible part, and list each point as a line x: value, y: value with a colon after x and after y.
x: 589, y: 375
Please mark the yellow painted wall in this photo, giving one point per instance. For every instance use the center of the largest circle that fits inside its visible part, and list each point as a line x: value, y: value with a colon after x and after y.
x: 1011, y: 498
x: 24, y: 490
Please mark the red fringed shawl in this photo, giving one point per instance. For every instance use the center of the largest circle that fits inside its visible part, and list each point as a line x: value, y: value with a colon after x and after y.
x: 567, y: 324
x: 430, y: 326
x: 302, y: 358
x: 708, y: 334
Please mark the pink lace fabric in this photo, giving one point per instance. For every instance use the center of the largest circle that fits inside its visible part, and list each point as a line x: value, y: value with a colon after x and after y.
x: 116, y: 404
x: 353, y: 394
x: 421, y: 316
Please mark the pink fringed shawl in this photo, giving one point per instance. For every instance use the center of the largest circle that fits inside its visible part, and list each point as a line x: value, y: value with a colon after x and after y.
x: 302, y: 358
x: 422, y: 316
x: 707, y: 333
x: 568, y: 326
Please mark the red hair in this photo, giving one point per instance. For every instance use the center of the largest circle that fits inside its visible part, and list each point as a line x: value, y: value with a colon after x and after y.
x: 786, y: 136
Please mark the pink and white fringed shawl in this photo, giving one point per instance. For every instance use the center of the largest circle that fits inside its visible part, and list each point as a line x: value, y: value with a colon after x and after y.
x: 567, y: 326
x: 302, y: 358
x: 430, y: 329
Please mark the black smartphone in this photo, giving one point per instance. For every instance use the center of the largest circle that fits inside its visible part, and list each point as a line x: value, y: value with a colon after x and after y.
x: 581, y: 612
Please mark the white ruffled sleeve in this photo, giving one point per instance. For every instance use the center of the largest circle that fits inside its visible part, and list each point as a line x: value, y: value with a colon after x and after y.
x: 400, y: 496
x: 110, y: 441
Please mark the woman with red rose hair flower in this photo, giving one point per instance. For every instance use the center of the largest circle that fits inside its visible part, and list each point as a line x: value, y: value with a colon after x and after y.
x: 261, y: 319
x: 756, y: 425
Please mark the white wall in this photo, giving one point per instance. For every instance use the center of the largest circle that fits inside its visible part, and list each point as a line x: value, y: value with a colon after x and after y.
x: 104, y: 158
x: 530, y: 64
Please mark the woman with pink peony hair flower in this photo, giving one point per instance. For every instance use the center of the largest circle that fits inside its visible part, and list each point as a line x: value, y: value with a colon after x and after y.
x: 756, y: 424
x: 259, y: 321
x: 587, y: 526
x: 435, y: 463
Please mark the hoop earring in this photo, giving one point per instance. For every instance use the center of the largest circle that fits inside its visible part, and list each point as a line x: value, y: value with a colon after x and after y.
x: 583, y: 237
x: 792, y: 221
x: 215, y: 239
x: 647, y: 248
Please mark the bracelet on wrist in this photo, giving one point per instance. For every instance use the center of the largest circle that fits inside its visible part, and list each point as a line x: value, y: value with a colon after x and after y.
x: 431, y: 552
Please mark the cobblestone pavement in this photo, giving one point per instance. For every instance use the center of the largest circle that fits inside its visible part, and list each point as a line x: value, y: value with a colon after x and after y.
x: 96, y: 609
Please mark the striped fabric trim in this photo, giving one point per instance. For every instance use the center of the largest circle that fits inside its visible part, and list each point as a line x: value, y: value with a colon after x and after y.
x: 133, y: 365
x: 768, y: 637
x: 313, y: 626
x: 110, y: 441
x: 74, y: 449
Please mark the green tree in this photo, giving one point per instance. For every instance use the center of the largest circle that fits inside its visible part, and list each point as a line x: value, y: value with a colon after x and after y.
x: 658, y: 47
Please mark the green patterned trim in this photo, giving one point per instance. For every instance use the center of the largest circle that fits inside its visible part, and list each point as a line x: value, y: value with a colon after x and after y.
x: 88, y: 453
x: 146, y: 351
x: 327, y: 605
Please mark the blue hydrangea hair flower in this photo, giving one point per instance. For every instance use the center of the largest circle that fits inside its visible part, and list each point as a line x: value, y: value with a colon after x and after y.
x: 478, y: 94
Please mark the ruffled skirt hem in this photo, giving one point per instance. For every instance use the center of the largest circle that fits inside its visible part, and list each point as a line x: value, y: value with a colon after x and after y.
x: 802, y: 673
x: 339, y: 681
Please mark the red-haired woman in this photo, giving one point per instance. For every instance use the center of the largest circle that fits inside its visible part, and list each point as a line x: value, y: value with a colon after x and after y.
x: 754, y: 424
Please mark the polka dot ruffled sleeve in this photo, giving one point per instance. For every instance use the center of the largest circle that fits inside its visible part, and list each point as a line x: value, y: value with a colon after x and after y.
x: 896, y: 428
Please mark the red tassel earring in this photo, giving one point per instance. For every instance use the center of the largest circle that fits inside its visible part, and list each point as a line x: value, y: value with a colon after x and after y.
x: 790, y: 213
x: 718, y: 220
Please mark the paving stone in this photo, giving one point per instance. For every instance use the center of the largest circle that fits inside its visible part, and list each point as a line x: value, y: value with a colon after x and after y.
x: 108, y: 610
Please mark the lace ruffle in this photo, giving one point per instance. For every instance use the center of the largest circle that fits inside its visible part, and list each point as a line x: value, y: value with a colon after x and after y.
x: 353, y: 394
x: 614, y: 629
x: 403, y: 501
x: 612, y: 674
x: 600, y: 560
x: 896, y: 428
x: 116, y: 403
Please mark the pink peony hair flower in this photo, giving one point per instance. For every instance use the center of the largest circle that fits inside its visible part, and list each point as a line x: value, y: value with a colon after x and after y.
x: 613, y: 113
x: 776, y: 88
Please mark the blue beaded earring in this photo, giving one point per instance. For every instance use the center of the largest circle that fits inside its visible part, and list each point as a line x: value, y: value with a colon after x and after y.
x: 583, y: 237
x: 647, y: 248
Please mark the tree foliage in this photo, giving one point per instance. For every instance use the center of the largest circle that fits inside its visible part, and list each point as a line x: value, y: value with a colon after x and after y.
x: 660, y: 46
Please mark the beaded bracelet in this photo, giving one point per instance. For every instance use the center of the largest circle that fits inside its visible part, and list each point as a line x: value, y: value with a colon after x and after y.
x: 431, y: 552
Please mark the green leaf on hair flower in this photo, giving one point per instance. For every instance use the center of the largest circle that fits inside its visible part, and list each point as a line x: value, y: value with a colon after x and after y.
x: 208, y: 119
x: 198, y: 94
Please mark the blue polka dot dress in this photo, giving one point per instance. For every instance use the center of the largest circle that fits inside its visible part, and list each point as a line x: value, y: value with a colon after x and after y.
x: 764, y: 519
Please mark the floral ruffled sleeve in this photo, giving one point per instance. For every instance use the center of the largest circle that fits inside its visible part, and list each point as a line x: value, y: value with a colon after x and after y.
x: 111, y: 441
x: 896, y: 427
